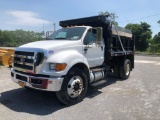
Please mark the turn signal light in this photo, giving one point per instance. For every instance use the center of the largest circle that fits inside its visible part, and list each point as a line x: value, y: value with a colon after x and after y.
x: 60, y: 66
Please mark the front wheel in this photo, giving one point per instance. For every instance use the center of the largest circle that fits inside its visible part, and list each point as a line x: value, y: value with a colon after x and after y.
x: 125, y: 69
x: 74, y: 87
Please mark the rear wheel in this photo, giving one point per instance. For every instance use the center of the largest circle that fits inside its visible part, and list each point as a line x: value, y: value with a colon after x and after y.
x: 74, y: 87
x: 125, y: 69
x: 116, y: 71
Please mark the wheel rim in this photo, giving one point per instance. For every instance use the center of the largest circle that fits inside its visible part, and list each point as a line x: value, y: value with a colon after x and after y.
x: 127, y: 69
x: 75, y: 86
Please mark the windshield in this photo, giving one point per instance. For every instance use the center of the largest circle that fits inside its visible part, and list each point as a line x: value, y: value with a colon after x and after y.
x: 68, y: 34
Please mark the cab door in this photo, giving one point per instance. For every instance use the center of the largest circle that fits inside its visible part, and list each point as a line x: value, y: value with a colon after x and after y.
x: 93, y: 47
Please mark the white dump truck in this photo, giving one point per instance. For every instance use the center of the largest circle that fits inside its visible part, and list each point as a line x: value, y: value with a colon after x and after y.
x: 70, y: 59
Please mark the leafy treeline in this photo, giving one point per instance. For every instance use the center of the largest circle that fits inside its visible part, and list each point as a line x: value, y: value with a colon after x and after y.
x: 154, y: 44
x: 142, y: 34
x: 18, y: 37
x: 143, y: 37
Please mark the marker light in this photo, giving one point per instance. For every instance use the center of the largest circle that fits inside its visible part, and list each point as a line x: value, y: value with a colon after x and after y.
x: 57, y: 66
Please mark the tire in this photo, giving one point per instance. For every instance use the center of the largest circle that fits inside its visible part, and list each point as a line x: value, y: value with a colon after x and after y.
x: 116, y: 72
x: 125, y: 69
x: 74, y: 87
x: 28, y: 88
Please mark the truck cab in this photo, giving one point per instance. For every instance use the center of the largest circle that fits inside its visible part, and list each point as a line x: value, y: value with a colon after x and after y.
x: 92, y: 47
x: 80, y: 53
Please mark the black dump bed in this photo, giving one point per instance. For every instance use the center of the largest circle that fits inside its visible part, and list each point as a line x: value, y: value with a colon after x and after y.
x: 113, y: 45
x: 96, y: 21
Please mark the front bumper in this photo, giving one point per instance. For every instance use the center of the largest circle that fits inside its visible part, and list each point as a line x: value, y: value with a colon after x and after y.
x: 41, y: 83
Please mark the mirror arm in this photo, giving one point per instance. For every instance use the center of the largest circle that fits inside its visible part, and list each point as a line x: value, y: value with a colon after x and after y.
x: 85, y: 50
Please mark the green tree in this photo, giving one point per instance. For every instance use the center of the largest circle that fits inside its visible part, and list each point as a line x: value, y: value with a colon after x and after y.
x: 142, y: 33
x: 18, y: 37
x: 104, y: 13
x: 115, y: 23
x: 111, y: 15
x: 0, y: 36
x: 155, y: 45
x: 156, y: 38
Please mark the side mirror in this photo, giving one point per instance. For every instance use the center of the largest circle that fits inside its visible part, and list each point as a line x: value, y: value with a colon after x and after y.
x: 48, y: 34
x: 99, y: 34
x: 88, y: 43
x: 94, y: 31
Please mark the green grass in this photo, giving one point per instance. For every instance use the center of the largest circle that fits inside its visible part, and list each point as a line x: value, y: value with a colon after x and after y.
x: 148, y: 53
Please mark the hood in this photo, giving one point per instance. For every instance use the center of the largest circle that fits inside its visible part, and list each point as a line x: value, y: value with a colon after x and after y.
x: 49, y: 44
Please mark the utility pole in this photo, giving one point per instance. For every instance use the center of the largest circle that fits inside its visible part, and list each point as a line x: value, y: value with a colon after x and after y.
x: 54, y: 27
x: 43, y: 26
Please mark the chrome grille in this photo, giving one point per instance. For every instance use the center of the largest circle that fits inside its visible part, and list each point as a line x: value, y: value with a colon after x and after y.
x: 29, y: 61
x: 24, y: 60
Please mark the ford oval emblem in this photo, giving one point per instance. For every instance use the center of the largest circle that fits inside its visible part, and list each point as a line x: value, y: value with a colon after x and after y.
x: 50, y: 52
x: 22, y: 59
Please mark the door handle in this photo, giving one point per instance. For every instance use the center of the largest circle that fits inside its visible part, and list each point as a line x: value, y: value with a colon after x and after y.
x: 102, y: 48
x: 85, y: 50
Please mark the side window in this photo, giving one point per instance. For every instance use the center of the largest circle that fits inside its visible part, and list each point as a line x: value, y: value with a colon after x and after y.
x: 93, y: 38
x: 90, y: 38
x: 87, y: 38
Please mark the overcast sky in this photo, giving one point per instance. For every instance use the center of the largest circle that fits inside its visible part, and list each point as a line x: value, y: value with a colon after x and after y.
x: 34, y: 14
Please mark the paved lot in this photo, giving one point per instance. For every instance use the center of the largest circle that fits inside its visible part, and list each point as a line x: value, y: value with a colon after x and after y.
x: 137, y: 98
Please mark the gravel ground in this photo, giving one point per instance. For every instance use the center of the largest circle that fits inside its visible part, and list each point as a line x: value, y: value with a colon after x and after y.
x: 137, y: 98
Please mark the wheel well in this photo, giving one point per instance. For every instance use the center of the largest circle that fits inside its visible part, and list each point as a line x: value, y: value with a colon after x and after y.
x: 119, y: 60
x: 131, y: 58
x: 83, y: 67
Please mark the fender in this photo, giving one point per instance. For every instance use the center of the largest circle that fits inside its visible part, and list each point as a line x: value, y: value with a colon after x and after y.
x: 70, y: 57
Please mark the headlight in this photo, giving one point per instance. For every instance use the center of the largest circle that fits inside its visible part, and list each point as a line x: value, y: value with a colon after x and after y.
x: 57, y: 66
x: 52, y: 66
